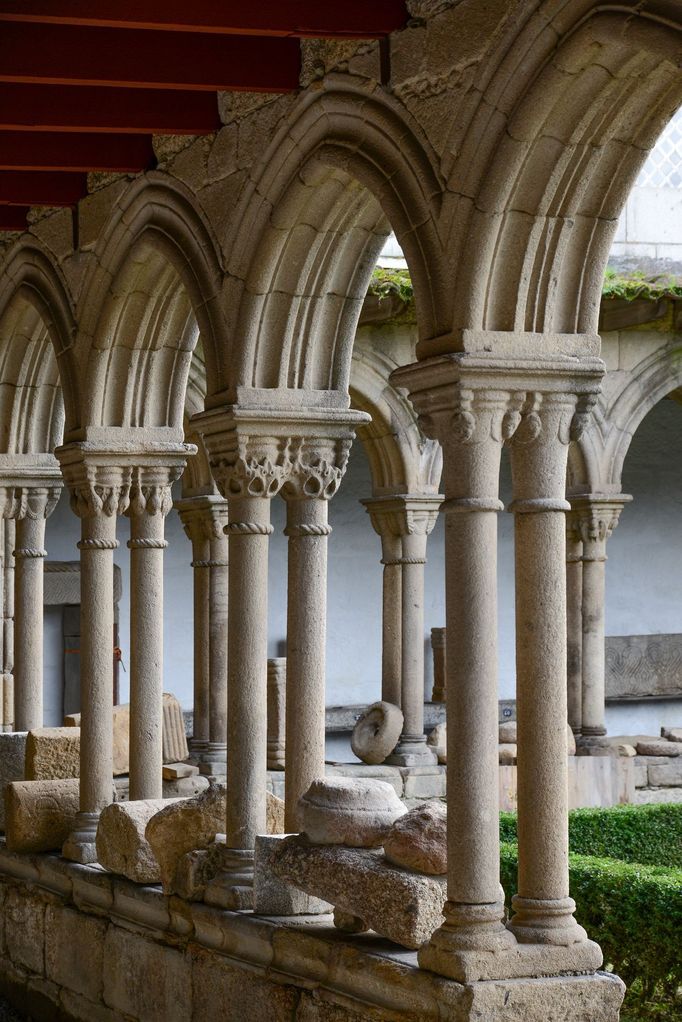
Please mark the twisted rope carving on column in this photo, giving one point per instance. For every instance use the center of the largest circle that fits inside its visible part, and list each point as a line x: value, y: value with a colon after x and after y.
x: 308, y: 530
x: 249, y: 529
x: 29, y: 552
x: 210, y: 564
x: 147, y: 544
x: 98, y: 544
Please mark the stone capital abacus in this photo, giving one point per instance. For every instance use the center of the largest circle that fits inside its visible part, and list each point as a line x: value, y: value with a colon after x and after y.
x: 204, y: 518
x: 410, y: 514
x: 30, y: 487
x: 591, y: 521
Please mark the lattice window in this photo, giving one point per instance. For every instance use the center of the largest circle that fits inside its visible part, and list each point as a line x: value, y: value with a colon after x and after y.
x: 663, y: 169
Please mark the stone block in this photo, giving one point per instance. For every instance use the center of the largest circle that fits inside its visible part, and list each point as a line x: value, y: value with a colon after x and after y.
x: 25, y: 929
x: 175, y: 748
x: 79, y: 1009
x: 53, y: 753
x: 39, y: 815
x: 507, y: 753
x: 121, y: 718
x: 122, y: 847
x: 185, y: 826
x: 274, y: 821
x: 673, y: 734
x: 349, y: 811
x: 12, y: 764
x: 667, y: 775
x: 185, y: 787
x: 146, y: 980
x: 507, y: 732
x: 176, y: 771
x: 424, y: 782
x: 641, y: 776
x: 275, y: 897
x: 74, y: 946
x: 659, y: 748
x: 241, y: 995
x: 418, y: 840
x: 403, y: 906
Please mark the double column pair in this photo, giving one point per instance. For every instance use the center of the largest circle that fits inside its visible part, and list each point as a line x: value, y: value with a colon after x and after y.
x: 105, y: 484
x: 255, y: 456
x: 474, y: 404
x: 28, y: 494
x: 404, y: 523
x: 204, y: 519
x: 589, y: 524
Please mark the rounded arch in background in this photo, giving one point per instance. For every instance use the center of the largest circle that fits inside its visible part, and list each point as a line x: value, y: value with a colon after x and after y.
x: 156, y: 287
x: 312, y: 222
x: 570, y: 105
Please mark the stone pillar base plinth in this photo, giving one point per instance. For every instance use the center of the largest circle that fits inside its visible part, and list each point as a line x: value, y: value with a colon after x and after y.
x: 80, y: 844
x: 213, y: 760
x: 232, y: 887
x: 521, y: 961
x: 412, y: 753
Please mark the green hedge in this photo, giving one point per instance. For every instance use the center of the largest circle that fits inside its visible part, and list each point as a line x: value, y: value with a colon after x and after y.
x: 650, y: 835
x: 635, y: 913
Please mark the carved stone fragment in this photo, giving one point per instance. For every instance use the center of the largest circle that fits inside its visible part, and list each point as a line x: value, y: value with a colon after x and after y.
x: 122, y: 847
x: 39, y: 815
x: 418, y: 840
x: 356, y: 812
x: 376, y: 732
x: 53, y: 753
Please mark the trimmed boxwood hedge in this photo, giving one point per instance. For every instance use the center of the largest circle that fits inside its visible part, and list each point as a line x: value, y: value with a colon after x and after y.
x: 650, y: 835
x: 635, y: 913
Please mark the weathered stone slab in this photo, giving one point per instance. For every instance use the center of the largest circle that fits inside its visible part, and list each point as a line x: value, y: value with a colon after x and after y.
x: 659, y: 748
x: 122, y: 847
x: 121, y: 718
x: 185, y: 826
x: 176, y: 771
x: 643, y: 666
x: 667, y: 775
x: 673, y: 734
x: 53, y: 753
x: 275, y: 897
x: 403, y: 906
x: 12, y: 764
x: 593, y: 781
x: 39, y: 815
x: 175, y: 748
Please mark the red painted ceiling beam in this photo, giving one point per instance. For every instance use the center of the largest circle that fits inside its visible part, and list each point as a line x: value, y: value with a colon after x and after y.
x: 13, y: 218
x: 65, y: 55
x: 367, y: 19
x: 37, y: 188
x: 77, y: 108
x: 23, y: 150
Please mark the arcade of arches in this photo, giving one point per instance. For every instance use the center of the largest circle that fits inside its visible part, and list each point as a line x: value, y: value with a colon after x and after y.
x: 197, y: 322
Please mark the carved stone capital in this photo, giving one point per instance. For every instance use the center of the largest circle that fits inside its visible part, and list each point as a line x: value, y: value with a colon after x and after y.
x: 203, y: 518
x: 30, y: 486
x: 103, y: 481
x: 592, y: 519
x: 412, y: 514
x: 255, y: 452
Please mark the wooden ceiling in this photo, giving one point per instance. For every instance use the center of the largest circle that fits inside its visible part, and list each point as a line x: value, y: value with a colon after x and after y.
x: 84, y: 84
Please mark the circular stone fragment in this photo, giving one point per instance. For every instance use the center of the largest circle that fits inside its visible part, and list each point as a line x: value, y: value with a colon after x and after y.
x: 376, y: 732
x: 349, y: 811
x: 419, y: 840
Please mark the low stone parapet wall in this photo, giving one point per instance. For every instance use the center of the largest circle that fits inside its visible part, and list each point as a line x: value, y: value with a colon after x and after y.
x: 78, y: 943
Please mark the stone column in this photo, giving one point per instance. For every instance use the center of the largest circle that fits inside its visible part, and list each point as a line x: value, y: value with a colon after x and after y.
x: 316, y: 466
x: 100, y: 488
x: 471, y: 425
x: 391, y: 636
x: 543, y: 910
x: 150, y: 502
x: 411, y: 517
x: 595, y: 517
x: 574, y: 624
x: 277, y: 681
x: 473, y: 403
x: 9, y: 535
x: 439, y: 691
x: 216, y: 751
x: 189, y: 510
x: 29, y: 503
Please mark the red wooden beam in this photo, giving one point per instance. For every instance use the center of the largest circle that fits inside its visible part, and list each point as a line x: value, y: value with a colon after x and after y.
x: 36, y: 188
x: 13, y: 218
x: 77, y: 108
x: 65, y: 55
x: 367, y: 19
x: 23, y: 150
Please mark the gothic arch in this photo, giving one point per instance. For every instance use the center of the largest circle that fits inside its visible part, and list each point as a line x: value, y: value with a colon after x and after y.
x: 156, y: 286
x: 569, y: 107
x: 311, y: 223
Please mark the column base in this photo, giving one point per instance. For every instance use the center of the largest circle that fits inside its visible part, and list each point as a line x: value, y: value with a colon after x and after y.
x: 412, y: 752
x: 548, y: 922
x: 592, y: 732
x: 213, y: 760
x: 80, y: 846
x: 196, y: 746
x: 232, y: 888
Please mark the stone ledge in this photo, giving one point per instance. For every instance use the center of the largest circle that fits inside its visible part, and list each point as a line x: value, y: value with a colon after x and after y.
x: 367, y: 972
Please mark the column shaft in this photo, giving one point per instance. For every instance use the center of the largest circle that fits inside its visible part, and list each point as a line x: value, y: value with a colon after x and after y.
x: 97, y: 545
x: 201, y: 583
x: 28, y: 611
x: 391, y: 639
x: 8, y: 625
x: 218, y: 639
x: 146, y: 654
x: 307, y: 530
x: 249, y: 532
x: 574, y: 630
x: 593, y: 639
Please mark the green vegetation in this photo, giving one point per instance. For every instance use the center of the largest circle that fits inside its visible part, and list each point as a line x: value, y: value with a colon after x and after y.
x: 636, y: 284
x: 386, y: 282
x: 630, y: 902
x: 649, y: 835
